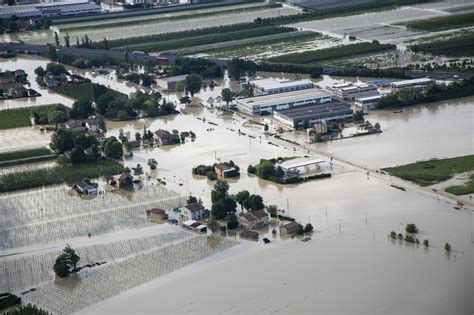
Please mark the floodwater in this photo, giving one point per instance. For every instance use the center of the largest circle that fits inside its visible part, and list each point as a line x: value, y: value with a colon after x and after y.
x: 29, y: 64
x: 349, y: 266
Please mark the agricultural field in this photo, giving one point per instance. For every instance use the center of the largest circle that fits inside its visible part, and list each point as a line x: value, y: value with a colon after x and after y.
x: 58, y: 175
x: 466, y: 188
x: 22, y: 139
x: 79, y: 92
x: 20, y: 117
x: 316, y: 56
x: 453, y: 46
x: 443, y: 23
x: 163, y: 26
x: 427, y: 173
x: 26, y: 156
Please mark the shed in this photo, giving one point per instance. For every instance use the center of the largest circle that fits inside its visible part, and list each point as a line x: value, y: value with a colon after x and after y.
x: 290, y: 228
x: 248, y: 234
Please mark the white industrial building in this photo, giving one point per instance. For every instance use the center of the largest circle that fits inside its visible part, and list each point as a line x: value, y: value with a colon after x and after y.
x: 368, y: 102
x: 272, y: 85
x: 350, y: 91
x: 266, y: 104
x: 315, y: 113
x: 421, y: 82
x: 50, y: 9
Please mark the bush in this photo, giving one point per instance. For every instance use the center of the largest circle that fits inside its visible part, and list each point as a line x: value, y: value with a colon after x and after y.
x: 409, y: 239
x: 411, y: 228
x: 8, y: 300
x: 447, y: 247
x: 426, y: 243
x: 308, y: 228
x: 251, y: 169
x: 393, y: 234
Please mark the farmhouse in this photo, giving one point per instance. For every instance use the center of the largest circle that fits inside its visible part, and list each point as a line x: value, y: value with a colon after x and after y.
x: 290, y: 228
x: 225, y: 170
x: 164, y: 137
x: 193, y: 211
x: 123, y: 180
x: 86, y: 187
x: 169, y: 83
x: 254, y: 219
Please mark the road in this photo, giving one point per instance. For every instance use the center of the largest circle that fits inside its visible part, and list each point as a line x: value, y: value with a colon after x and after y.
x: 88, y: 52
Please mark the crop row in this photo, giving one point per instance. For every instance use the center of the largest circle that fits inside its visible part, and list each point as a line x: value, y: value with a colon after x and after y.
x: 58, y: 175
x: 25, y: 272
x: 315, y: 56
x: 126, y: 274
x: 457, y: 46
x: 443, y: 23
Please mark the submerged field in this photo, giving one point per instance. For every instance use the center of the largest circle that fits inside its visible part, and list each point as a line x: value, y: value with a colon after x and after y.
x: 455, y: 46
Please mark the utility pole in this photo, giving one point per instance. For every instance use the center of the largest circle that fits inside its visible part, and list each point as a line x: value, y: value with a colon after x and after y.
x: 288, y: 206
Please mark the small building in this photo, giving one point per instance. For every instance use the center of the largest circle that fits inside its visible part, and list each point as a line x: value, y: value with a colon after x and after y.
x: 86, y: 187
x: 250, y: 235
x: 368, y: 102
x: 305, y: 116
x: 193, y: 211
x: 290, y: 228
x: 156, y: 213
x: 321, y: 127
x: 75, y: 124
x: 164, y: 137
x: 225, y: 170
x: 169, y: 83
x: 123, y: 180
x: 7, y: 77
x: 195, y: 226
x: 94, y: 124
x: 273, y: 86
x: 421, y: 82
x: 254, y: 219
x: 350, y: 92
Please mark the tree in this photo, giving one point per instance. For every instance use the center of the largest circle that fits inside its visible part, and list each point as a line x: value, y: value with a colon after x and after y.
x: 55, y: 68
x: 266, y: 128
x: 359, y: 115
x: 272, y: 209
x: 103, y: 102
x: 113, y: 148
x: 426, y: 243
x: 308, y: 228
x: 66, y: 262
x: 185, y: 100
x: 447, y: 247
x: 212, y: 224
x: 78, y: 155
x: 152, y: 163
x: 106, y: 44
x: 254, y: 203
x: 40, y: 71
x: 63, y: 140
x: 193, y: 83
x: 411, y: 228
x: 56, y: 39
x: 223, y: 207
x: 265, y: 169
x: 300, y: 230
x: 377, y: 126
x: 61, y: 267
x: 56, y: 117
x: 227, y: 96
x: 232, y: 222
x: 81, y: 109
x: 241, y: 197
x: 393, y: 234
x: 191, y: 199
x: 219, y: 191
x: 67, y: 40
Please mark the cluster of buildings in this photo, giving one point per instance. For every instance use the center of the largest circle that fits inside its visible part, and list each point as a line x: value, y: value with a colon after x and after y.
x: 50, y: 80
x: 11, y: 85
x: 50, y: 9
x: 293, y: 103
x: 93, y: 126
x: 10, y: 77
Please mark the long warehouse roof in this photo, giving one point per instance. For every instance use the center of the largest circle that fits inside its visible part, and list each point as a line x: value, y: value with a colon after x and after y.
x: 293, y: 96
x: 301, y: 112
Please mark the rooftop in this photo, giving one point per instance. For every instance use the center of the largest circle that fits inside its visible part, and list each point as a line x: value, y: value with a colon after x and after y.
x: 325, y: 109
x: 249, y: 234
x: 413, y: 81
x: 175, y: 78
x: 194, y: 207
x: 293, y: 96
x: 272, y: 83
x: 370, y: 98
x: 255, y: 215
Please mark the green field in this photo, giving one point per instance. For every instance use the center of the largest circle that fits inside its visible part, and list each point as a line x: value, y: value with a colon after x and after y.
x: 457, y: 46
x: 24, y: 154
x: 315, y: 56
x: 443, y: 23
x: 431, y: 172
x: 467, y: 188
x: 78, y: 91
x: 58, y: 175
x: 20, y: 117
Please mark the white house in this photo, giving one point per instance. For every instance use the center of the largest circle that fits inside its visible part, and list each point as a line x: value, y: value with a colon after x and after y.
x: 194, y: 211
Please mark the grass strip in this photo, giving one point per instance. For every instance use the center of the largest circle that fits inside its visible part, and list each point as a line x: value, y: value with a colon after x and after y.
x: 432, y: 172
